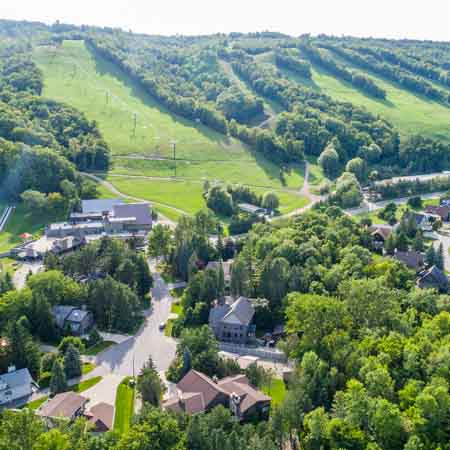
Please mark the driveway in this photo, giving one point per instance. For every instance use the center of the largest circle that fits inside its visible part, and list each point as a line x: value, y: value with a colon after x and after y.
x: 20, y: 275
x: 105, y: 391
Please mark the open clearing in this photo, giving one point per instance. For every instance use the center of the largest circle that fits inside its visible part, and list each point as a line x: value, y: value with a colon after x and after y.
x: 78, y: 77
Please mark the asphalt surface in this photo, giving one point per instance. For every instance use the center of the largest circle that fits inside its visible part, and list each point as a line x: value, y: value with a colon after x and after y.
x: 128, y: 357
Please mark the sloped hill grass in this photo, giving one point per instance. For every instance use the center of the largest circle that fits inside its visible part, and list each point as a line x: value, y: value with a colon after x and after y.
x: 410, y: 113
x: 73, y: 74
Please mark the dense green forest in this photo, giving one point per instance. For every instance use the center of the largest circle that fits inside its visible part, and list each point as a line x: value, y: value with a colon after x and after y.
x: 370, y: 349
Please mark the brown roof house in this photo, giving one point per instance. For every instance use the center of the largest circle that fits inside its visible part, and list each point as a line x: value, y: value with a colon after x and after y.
x: 101, y: 416
x: 379, y: 234
x: 64, y: 406
x: 231, y: 320
x: 198, y: 393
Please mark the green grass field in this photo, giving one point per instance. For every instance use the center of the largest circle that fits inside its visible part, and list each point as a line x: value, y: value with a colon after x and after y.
x: 410, y: 113
x: 75, y: 75
x: 276, y: 390
x: 22, y: 221
x: 124, y: 406
x: 85, y: 385
x: 187, y: 195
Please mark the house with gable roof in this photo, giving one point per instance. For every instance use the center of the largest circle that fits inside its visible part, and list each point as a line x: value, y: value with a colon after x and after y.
x: 197, y: 393
x: 231, y: 321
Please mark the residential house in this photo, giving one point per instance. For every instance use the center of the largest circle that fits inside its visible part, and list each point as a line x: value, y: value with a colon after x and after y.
x: 379, y: 234
x: 226, y: 267
x: 442, y: 211
x: 423, y: 221
x: 412, y: 259
x: 66, y: 406
x: 433, y: 278
x: 232, y: 321
x: 198, y: 393
x: 101, y: 417
x: 77, y: 321
x: 16, y: 388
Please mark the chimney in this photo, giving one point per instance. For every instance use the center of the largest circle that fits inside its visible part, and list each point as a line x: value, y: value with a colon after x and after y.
x: 11, y: 369
x: 215, y: 379
x: 235, y: 405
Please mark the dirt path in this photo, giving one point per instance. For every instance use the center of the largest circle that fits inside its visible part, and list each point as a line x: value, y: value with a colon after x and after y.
x: 115, y: 191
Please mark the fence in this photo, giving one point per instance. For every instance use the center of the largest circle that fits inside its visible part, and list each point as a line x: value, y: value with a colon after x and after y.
x: 269, y: 354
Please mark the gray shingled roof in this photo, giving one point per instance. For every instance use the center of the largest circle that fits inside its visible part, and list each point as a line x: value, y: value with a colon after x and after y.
x: 15, y: 385
x: 77, y: 315
x: 100, y: 204
x: 243, y: 309
x: 141, y: 211
x: 60, y: 313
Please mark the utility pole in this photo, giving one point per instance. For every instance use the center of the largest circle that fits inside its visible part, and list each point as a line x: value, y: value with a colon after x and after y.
x: 174, y: 147
x: 107, y: 97
x: 134, y: 128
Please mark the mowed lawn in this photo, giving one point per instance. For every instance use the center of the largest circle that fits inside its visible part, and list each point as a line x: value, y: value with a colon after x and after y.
x: 22, y: 221
x: 410, y: 113
x: 74, y: 75
x: 252, y: 173
x: 188, y: 195
x: 124, y: 406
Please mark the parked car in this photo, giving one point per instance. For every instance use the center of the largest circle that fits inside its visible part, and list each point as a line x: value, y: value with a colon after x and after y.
x: 162, y: 325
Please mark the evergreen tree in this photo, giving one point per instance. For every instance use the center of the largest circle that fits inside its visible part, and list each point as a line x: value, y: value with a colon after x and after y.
x: 72, y: 362
x: 401, y: 242
x: 143, y: 277
x: 149, y: 384
x: 418, y: 242
x: 240, y: 279
x: 221, y: 281
x: 439, y: 261
x: 58, y: 381
x: 389, y: 245
x: 430, y: 256
x: 187, y: 362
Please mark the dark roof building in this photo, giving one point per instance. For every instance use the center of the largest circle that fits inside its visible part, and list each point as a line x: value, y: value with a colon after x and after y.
x: 77, y: 320
x: 442, y: 211
x: 433, y: 278
x: 199, y: 393
x: 100, y: 205
x: 414, y: 260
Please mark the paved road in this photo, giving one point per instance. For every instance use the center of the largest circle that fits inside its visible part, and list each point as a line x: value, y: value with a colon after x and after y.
x: 129, y: 356
x: 371, y: 206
